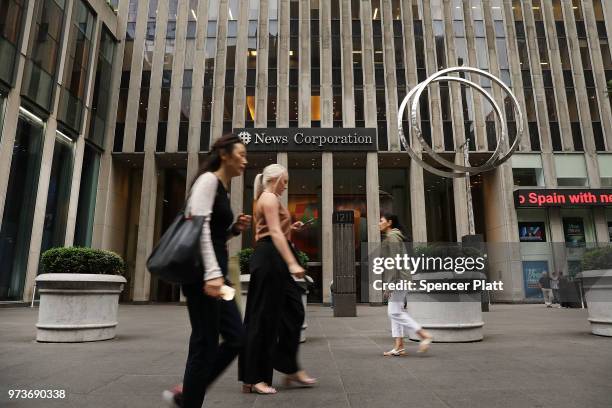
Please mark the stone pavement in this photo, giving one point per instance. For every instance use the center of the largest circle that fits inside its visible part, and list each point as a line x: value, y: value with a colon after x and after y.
x: 531, y: 357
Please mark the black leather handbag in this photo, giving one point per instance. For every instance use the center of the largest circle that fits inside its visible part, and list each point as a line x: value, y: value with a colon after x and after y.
x: 177, y: 258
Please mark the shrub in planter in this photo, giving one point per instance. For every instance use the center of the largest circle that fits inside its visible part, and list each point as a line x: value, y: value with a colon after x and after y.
x: 244, y: 257
x: 597, y: 258
x: 82, y: 260
x: 79, y: 294
x: 449, y: 316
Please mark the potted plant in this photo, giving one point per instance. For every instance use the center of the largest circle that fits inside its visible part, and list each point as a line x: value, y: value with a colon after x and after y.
x: 596, y: 278
x: 79, y: 294
x: 451, y: 316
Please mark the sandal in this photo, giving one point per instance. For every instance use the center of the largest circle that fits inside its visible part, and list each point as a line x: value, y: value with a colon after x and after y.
x: 306, y: 382
x: 424, y: 344
x: 264, y: 389
x: 394, y: 352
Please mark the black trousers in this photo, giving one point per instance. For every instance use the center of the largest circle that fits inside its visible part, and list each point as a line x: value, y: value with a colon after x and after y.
x: 273, y: 318
x: 207, y: 358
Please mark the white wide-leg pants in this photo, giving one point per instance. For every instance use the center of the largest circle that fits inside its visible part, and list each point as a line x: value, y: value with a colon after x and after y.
x: 401, y: 322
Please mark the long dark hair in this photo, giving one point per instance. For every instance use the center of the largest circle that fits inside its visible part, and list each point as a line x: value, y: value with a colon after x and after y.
x: 225, y: 144
x: 395, y: 223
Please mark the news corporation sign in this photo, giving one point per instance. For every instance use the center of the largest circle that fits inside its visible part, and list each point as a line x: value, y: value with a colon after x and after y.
x: 309, y: 139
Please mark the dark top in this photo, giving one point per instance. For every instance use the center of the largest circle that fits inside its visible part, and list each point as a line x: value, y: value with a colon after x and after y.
x: 220, y: 222
x: 210, y: 199
x: 545, y: 282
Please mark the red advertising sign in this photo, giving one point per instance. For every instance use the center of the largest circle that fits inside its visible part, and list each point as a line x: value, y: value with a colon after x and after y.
x: 562, y: 198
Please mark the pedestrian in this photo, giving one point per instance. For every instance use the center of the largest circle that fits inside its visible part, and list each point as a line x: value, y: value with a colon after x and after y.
x: 565, y: 291
x: 401, y: 321
x: 554, y: 285
x: 209, y: 314
x: 544, y: 284
x: 274, y: 311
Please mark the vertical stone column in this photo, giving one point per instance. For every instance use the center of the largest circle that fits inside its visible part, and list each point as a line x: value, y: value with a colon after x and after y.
x: 327, y: 209
x: 515, y: 70
x: 282, y: 158
x: 579, y: 85
x: 391, y: 99
x: 369, y: 97
x: 605, y: 111
x: 216, y: 123
x: 148, y: 195
x: 460, y: 185
x: 549, y: 169
x: 502, y: 233
x: 102, y: 220
x: 581, y: 95
x: 176, y: 85
x: 282, y: 105
x: 415, y: 180
x: 237, y: 188
x: 348, y: 87
x: 557, y: 74
x: 80, y: 142
x: 195, y: 114
x: 536, y: 76
x: 46, y: 162
x: 131, y: 112
x: 11, y: 113
x: 304, y: 86
x: 261, y: 90
x: 437, y: 136
x: 479, y: 125
x: 327, y: 160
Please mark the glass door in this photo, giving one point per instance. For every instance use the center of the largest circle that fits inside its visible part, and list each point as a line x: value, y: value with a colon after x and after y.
x: 19, y: 208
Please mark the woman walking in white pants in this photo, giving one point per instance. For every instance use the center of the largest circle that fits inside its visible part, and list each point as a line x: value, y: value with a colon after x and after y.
x: 401, y: 322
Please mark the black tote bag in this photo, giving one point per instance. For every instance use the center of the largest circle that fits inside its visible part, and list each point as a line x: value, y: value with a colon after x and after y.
x: 177, y: 258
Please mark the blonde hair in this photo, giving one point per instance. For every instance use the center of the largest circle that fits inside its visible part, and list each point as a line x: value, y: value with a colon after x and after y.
x: 270, y: 173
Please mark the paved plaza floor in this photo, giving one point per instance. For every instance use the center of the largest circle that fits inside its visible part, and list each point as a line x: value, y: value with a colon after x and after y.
x: 531, y: 356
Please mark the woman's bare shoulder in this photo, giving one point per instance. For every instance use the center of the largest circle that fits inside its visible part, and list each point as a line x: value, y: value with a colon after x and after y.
x: 268, y: 200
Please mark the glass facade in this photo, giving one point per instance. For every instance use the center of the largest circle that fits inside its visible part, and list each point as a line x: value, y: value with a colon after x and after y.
x: 78, y: 58
x: 58, y: 196
x: 11, y: 25
x: 87, y: 197
x: 101, y: 96
x: 21, y: 198
x: 43, y: 52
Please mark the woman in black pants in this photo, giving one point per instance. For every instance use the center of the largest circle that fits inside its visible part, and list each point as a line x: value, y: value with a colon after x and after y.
x: 209, y: 314
x: 274, y: 312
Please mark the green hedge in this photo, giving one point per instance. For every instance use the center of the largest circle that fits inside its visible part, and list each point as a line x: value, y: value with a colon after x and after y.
x: 244, y: 257
x: 597, y: 258
x: 82, y: 260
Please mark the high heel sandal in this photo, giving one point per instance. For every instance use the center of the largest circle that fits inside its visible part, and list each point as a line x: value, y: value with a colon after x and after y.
x: 252, y: 388
x: 308, y: 382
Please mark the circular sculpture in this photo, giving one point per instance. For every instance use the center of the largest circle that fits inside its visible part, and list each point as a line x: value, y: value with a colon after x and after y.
x: 456, y: 170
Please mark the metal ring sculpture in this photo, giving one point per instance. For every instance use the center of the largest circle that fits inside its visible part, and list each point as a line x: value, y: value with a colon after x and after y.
x: 457, y: 170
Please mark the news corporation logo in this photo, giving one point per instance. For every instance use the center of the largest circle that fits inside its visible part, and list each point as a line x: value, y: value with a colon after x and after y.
x: 245, y: 137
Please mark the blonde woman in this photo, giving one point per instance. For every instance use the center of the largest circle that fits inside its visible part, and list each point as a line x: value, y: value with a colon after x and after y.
x: 274, y: 312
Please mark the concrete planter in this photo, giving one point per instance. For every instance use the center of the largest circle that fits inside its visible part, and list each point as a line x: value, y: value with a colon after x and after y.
x: 449, y: 317
x: 598, y: 290
x: 77, y: 307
